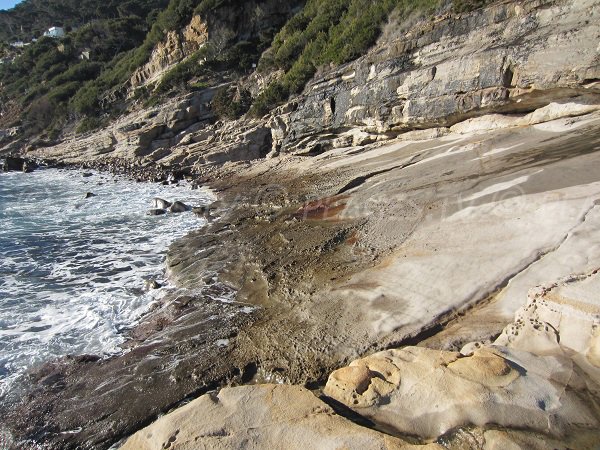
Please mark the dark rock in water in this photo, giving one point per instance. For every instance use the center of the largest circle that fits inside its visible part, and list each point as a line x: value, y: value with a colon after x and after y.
x: 156, y: 212
x: 89, y: 195
x: 152, y: 284
x: 87, y: 174
x: 12, y: 163
x: 160, y: 203
x: 176, y: 175
x: 29, y: 166
x: 179, y: 207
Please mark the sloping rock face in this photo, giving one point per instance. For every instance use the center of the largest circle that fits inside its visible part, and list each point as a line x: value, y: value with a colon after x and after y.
x: 260, y: 417
x: 541, y: 374
x: 563, y: 320
x: 511, y: 58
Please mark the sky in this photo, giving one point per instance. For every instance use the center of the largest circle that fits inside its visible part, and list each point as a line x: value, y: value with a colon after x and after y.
x: 7, y: 4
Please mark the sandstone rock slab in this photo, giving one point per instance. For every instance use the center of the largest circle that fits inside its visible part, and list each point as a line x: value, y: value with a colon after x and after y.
x: 259, y: 417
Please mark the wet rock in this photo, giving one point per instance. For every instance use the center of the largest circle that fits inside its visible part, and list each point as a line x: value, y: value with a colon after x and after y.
x: 179, y: 207
x: 152, y: 284
x: 29, y: 166
x: 90, y: 195
x: 202, y: 211
x: 160, y: 203
x: 13, y: 163
x: 187, y: 351
x: 87, y: 174
x: 156, y: 212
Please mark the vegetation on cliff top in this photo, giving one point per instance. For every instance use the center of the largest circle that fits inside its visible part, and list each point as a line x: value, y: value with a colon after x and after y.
x: 55, y: 84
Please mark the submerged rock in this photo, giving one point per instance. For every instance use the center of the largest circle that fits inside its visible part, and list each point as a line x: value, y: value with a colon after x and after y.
x: 89, y: 195
x: 156, y: 212
x: 152, y: 284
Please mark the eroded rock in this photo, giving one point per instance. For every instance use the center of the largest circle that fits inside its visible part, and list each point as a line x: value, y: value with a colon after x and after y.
x: 260, y: 417
x: 541, y: 374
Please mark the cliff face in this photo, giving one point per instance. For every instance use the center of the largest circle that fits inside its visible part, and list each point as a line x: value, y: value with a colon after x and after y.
x: 511, y: 58
x: 225, y: 26
x: 175, y: 47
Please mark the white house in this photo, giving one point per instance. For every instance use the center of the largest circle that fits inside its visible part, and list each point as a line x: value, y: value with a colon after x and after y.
x: 55, y: 32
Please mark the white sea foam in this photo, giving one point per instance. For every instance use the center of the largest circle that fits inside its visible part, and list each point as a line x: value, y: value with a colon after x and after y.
x: 72, y: 270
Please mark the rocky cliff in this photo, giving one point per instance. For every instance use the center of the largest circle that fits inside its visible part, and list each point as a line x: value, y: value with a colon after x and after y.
x: 225, y: 26
x: 511, y: 58
x: 397, y: 213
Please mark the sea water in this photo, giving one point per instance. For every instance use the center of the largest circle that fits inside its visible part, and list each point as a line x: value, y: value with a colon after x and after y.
x: 73, y: 269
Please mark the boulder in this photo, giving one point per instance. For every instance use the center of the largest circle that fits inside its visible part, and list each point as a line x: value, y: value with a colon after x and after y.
x: 260, y: 417
x: 152, y: 284
x: 13, y: 163
x: 89, y: 195
x: 156, y: 212
x: 29, y: 166
x: 160, y: 203
x: 427, y: 392
x: 179, y: 207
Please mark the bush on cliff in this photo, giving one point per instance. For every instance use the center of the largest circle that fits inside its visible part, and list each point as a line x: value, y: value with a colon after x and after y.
x: 231, y: 103
x: 326, y: 32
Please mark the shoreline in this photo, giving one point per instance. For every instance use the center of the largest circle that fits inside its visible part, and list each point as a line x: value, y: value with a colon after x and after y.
x: 80, y: 178
x: 410, y: 247
x: 283, y: 243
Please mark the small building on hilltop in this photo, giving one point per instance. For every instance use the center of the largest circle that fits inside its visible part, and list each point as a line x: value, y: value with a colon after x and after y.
x: 55, y: 32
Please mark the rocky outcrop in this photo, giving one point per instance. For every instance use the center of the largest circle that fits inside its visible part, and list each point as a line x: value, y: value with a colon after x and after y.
x: 369, y: 245
x: 510, y: 58
x: 15, y: 163
x: 561, y: 320
x: 176, y: 46
x: 9, y: 134
x: 541, y: 374
x: 141, y: 137
x: 259, y: 417
x: 219, y: 28
x: 430, y: 392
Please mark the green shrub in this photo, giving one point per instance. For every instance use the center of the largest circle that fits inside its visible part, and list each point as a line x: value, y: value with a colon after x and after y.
x: 64, y: 92
x: 85, y: 101
x: 469, y: 5
x: 324, y: 32
x: 231, y: 103
x: 89, y: 124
